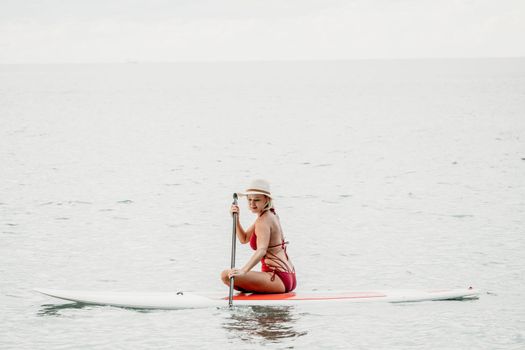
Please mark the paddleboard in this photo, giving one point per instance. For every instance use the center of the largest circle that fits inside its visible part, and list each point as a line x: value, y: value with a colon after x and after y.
x: 185, y: 300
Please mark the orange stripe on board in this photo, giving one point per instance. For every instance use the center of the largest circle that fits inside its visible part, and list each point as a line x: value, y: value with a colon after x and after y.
x: 281, y: 296
x: 294, y: 296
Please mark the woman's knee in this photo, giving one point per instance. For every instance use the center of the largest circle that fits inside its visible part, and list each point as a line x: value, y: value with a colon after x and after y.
x: 224, y: 277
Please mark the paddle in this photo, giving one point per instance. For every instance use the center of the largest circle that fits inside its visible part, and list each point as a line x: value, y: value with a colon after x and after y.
x: 234, y: 240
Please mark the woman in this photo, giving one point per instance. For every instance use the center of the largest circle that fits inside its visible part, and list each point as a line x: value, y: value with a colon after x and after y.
x: 266, y: 238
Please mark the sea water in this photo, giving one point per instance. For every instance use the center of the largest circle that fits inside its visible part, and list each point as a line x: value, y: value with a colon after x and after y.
x: 386, y: 174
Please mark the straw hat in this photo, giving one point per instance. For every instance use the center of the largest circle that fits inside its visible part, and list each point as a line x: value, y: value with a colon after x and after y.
x: 258, y: 186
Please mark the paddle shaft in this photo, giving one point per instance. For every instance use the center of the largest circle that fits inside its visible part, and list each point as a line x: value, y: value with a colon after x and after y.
x: 234, y: 241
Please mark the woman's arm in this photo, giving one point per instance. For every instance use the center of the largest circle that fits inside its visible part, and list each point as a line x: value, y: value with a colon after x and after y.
x: 263, y: 240
x: 243, y: 235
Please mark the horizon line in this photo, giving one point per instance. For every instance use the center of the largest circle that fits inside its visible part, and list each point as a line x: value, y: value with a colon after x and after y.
x: 305, y: 60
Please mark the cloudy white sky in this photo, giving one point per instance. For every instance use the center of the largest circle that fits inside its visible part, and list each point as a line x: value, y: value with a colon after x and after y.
x: 43, y: 31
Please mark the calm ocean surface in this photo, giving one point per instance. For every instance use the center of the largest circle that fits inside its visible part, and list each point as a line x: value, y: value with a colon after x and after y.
x: 388, y: 174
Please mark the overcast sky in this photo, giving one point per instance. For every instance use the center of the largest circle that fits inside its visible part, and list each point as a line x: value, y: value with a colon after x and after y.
x: 43, y: 31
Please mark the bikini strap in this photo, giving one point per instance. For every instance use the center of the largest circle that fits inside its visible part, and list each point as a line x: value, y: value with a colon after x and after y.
x: 282, y: 244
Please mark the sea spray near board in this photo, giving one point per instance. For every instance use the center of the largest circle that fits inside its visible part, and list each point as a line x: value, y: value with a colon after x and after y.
x: 185, y: 300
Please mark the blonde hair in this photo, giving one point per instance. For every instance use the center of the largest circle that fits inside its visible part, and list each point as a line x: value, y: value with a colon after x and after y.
x: 269, y: 204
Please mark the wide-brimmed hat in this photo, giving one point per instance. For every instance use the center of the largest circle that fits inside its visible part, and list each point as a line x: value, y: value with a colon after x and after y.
x: 258, y: 186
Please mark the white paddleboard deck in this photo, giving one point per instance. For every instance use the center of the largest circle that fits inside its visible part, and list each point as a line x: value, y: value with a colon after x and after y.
x: 185, y: 300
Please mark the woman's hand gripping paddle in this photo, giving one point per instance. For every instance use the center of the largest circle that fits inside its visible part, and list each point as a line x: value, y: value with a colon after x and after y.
x: 234, y: 239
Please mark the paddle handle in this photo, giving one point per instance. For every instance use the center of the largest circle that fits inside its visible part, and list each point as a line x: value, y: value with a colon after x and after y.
x: 234, y: 241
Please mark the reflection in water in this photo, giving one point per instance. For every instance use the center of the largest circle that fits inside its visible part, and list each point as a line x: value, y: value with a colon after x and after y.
x: 54, y: 309
x: 271, y: 323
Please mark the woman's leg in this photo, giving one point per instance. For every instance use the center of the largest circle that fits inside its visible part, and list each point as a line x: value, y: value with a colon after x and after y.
x: 257, y: 282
